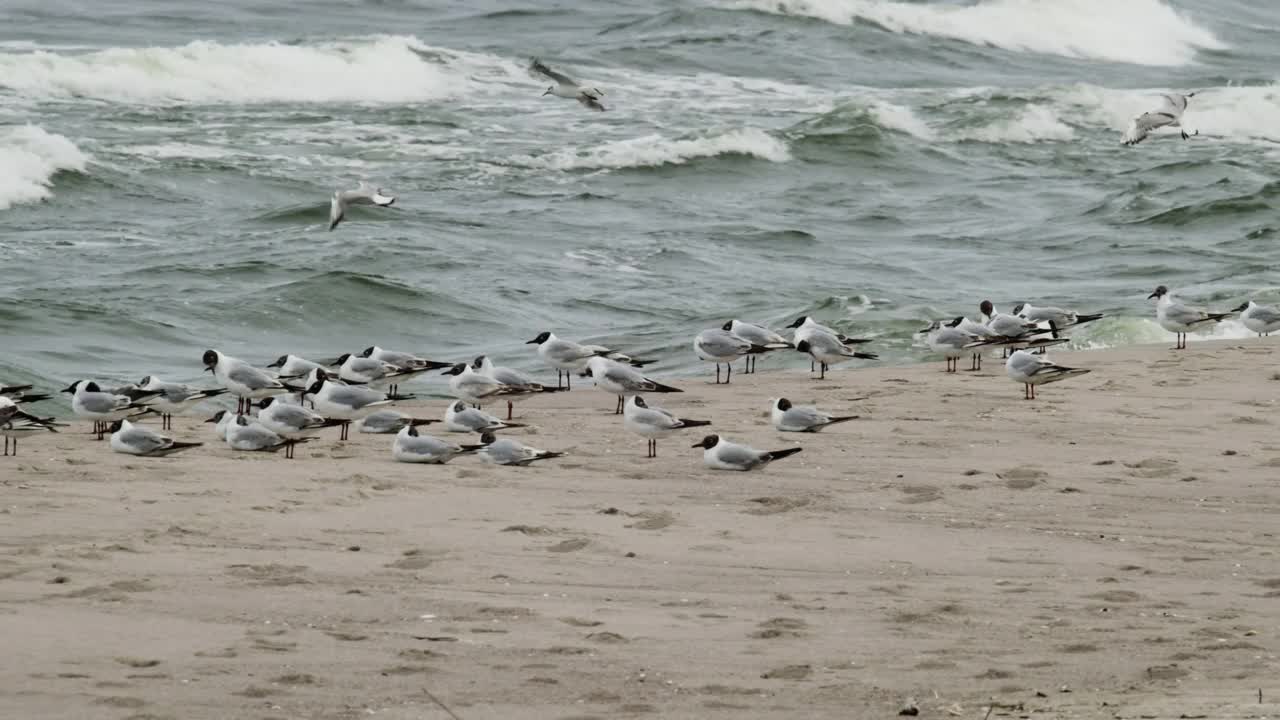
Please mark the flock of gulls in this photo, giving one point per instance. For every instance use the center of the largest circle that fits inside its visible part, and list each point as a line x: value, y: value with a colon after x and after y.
x: 290, y: 400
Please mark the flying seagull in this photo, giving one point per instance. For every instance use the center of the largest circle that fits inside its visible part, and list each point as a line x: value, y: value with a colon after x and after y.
x: 567, y: 87
x: 366, y: 194
x: 1169, y: 115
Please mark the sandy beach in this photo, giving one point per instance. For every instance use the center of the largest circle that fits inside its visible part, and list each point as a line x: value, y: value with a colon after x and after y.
x: 1107, y: 550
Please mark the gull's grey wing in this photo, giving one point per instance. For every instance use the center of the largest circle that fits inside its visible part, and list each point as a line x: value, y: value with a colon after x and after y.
x: 1144, y: 124
x: 1174, y: 104
x: 258, y: 436
x: 721, y: 344
x: 296, y: 416
x: 629, y: 379
x: 757, y: 334
x: 428, y: 446
x: 103, y: 403
x: 1265, y: 314
x: 741, y: 456
x: 802, y: 416
x: 145, y: 440
x: 560, y: 78
x: 508, y: 376
x: 353, y: 396
x: 565, y: 351
x: 656, y: 417
x: 1185, y: 315
x: 253, y: 378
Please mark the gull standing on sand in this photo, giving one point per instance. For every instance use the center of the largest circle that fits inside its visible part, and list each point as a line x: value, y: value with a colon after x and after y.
x: 1032, y: 370
x: 243, y: 380
x: 979, y: 331
x: 292, y: 422
x: 653, y: 422
x: 720, y: 346
x: 510, y: 452
x: 385, y: 422
x: 16, y: 423
x: 1169, y: 115
x: 365, y: 194
x: 720, y: 454
x: 133, y: 439
x: 477, y: 389
x: 566, y: 87
x: 827, y: 350
x: 402, y: 360
x: 756, y: 335
x: 568, y: 357
x: 511, y: 377
x: 460, y: 418
x: 346, y: 402
x: 953, y: 342
x: 617, y: 379
x: 411, y: 447
x: 174, y: 398
x: 1262, y: 319
x: 88, y: 401
x: 251, y: 436
x: 804, y: 326
x: 802, y: 418
x: 1179, y: 318
x: 1018, y: 334
x: 375, y: 373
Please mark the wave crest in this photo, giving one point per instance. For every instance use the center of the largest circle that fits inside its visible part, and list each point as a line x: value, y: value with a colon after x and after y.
x: 1144, y: 32
x: 29, y: 158
x: 655, y: 151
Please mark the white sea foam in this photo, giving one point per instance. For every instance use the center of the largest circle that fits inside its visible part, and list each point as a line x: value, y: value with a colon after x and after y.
x: 655, y: 150
x: 1123, y: 331
x: 1036, y: 123
x: 1238, y: 113
x: 1146, y: 32
x: 903, y: 119
x: 29, y: 158
x: 382, y: 69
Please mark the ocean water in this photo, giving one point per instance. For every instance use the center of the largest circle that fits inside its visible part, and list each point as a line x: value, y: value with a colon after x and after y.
x: 165, y: 171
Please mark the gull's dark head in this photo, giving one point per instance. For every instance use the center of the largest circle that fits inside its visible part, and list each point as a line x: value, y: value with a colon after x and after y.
x: 1017, y: 309
x: 72, y: 387
x: 784, y: 404
x: 803, y: 346
x: 367, y: 352
x: 1243, y: 306
x: 1159, y: 292
x: 799, y: 321
x: 457, y: 369
x: 639, y: 401
x: 956, y: 322
x: 487, y: 438
x: 217, y: 417
x: 411, y: 430
x: 315, y: 386
x: 478, y: 362
x: 265, y: 403
x: 342, y: 359
x: 92, y: 387
x: 459, y: 406
x: 708, y: 442
x: 549, y: 90
x: 115, y: 426
x: 986, y: 308
x: 280, y: 361
x: 242, y: 421
x: 932, y: 326
x: 727, y: 327
x: 542, y: 337
x: 210, y: 358
x: 144, y: 381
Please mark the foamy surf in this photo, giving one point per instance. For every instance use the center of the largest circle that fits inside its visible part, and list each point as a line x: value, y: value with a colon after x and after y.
x: 1237, y: 113
x: 383, y: 69
x: 655, y: 151
x: 1122, y: 331
x: 29, y: 158
x: 1035, y: 123
x: 1144, y: 32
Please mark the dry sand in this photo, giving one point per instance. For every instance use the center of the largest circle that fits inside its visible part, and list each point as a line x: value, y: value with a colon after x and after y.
x: 1107, y: 550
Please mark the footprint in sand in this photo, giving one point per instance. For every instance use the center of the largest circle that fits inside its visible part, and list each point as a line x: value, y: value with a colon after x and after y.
x: 270, y: 575
x: 653, y: 521
x: 780, y: 628
x: 569, y: 545
x: 916, y: 494
x: 1023, y: 477
x: 413, y: 559
x: 1152, y: 468
x: 775, y: 505
x: 137, y: 662
x: 789, y: 672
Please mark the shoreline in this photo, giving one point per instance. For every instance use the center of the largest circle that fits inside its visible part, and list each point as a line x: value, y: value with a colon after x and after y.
x: 957, y: 545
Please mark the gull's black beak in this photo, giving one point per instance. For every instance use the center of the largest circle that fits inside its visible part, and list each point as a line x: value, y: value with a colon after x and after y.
x: 69, y: 389
x: 1152, y: 295
x: 1242, y: 308
x: 548, y: 92
x: 533, y: 342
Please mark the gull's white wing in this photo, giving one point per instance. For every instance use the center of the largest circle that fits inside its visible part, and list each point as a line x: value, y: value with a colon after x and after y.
x: 560, y: 78
x: 1144, y: 124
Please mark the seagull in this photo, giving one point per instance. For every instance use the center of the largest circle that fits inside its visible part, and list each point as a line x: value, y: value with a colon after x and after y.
x: 402, y: 360
x: 346, y: 402
x: 805, y: 325
x: 1018, y: 334
x: 475, y: 388
x: 566, y: 87
x: 720, y: 454
x: 653, y: 422
x: 174, y: 398
x: 827, y: 350
x: 15, y: 423
x: 511, y: 377
x: 388, y: 421
x: 89, y: 401
x: 292, y: 422
x: 133, y: 439
x: 510, y: 452
x: 18, y: 393
x: 803, y: 418
x: 292, y: 367
x: 222, y: 418
x: 252, y: 436
x: 411, y: 447
x: 953, y: 342
x: 617, y: 379
x: 1169, y: 115
x: 1181, y: 319
x: 366, y: 194
x: 460, y: 418
x: 1057, y: 318
x: 757, y: 335
x: 720, y: 346
x: 568, y: 357
x: 1032, y: 370
x: 1262, y: 319
x: 375, y: 373
x: 243, y: 380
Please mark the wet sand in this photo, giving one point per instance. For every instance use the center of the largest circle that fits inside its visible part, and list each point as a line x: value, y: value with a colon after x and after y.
x: 1107, y: 550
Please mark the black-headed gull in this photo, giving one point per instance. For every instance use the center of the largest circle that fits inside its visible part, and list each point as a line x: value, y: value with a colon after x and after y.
x: 721, y: 346
x: 412, y: 447
x: 653, y: 422
x: 787, y: 417
x: 1262, y: 319
x: 720, y: 454
x: 1174, y: 316
x: 506, y: 451
x: 1169, y: 115
x: 827, y: 350
x: 133, y: 439
x: 759, y: 335
x: 365, y: 194
x: 566, y: 87
x: 617, y: 379
x: 1032, y: 370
